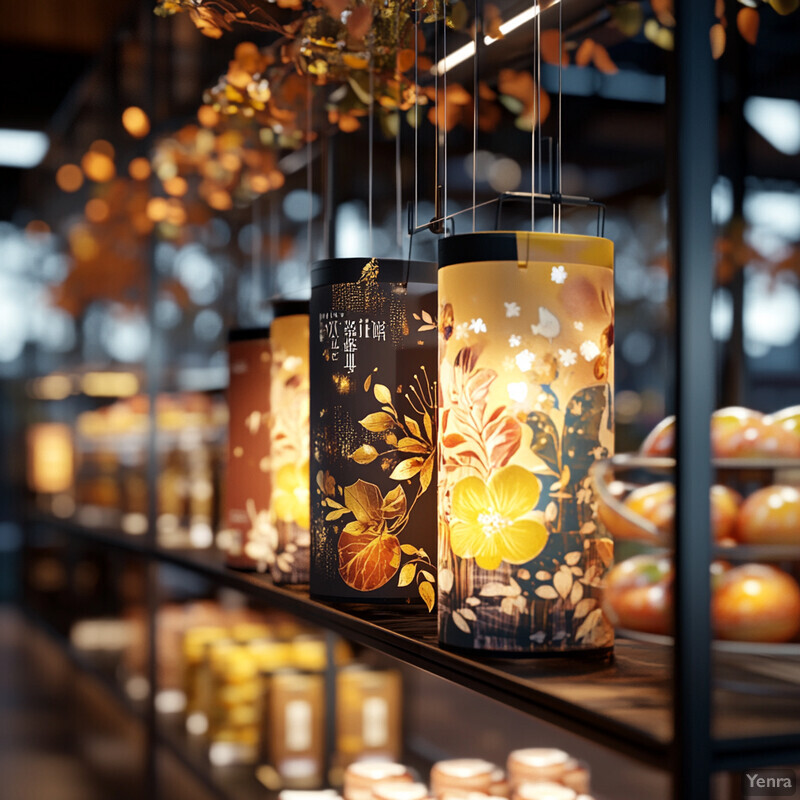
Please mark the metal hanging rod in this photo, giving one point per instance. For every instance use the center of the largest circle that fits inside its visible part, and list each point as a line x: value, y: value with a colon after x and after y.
x: 436, y: 225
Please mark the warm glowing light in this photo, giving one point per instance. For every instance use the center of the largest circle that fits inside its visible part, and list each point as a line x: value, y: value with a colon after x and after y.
x: 69, y: 178
x: 50, y: 457
x: 176, y: 186
x: 468, y: 50
x: 110, y: 384
x: 83, y: 245
x: 37, y: 227
x: 157, y: 208
x: 166, y: 170
x: 515, y: 22
x: 98, y: 167
x: 259, y: 183
x: 51, y: 387
x: 97, y: 210
x: 454, y: 59
x: 102, y: 146
x: 136, y: 122
x: 230, y: 161
x: 546, y: 367
x: 139, y: 169
x: 176, y: 213
x: 207, y: 117
x: 220, y: 200
x: 276, y: 179
x: 141, y: 224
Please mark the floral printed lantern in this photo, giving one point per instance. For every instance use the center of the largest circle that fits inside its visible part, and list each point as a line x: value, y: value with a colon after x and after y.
x: 252, y: 536
x: 525, y: 407
x: 289, y: 443
x: 373, y: 430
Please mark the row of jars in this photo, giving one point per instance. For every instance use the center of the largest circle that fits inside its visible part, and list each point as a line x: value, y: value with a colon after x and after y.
x: 262, y: 700
x: 98, y: 472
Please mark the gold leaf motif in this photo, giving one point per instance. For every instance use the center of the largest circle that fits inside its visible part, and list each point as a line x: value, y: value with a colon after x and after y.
x: 409, y: 445
x: 413, y: 426
x: 409, y: 549
x: 355, y: 527
x: 368, y: 560
x: 407, y: 469
x: 377, y: 422
x: 428, y: 575
x: 365, y: 501
x: 428, y: 594
x: 394, y: 504
x: 365, y: 454
x: 407, y: 574
x: 382, y: 394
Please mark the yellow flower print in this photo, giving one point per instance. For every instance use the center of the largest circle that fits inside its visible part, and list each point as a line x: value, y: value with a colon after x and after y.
x: 493, y: 522
x: 290, y: 499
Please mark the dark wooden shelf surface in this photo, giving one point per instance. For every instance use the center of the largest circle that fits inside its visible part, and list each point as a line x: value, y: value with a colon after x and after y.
x: 625, y: 703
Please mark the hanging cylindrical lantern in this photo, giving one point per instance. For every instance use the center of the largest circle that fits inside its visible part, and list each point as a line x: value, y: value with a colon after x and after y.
x: 373, y: 434
x: 289, y: 441
x: 525, y: 407
x: 253, y: 538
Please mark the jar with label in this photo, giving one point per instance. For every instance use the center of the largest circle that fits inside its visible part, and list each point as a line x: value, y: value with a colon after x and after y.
x: 293, y: 727
x: 368, y: 714
x: 195, y: 642
x: 235, y: 692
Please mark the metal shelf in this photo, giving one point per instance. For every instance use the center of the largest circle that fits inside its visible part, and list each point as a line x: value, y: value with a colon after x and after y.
x: 625, y: 704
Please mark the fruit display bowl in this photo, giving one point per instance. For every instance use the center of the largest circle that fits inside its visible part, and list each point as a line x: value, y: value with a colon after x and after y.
x: 750, y: 519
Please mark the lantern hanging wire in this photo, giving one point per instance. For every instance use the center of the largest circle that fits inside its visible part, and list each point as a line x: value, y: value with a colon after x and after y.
x: 309, y: 172
x: 553, y: 196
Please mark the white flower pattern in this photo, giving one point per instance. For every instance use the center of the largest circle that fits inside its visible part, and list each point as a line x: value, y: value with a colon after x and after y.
x: 525, y: 360
x: 477, y: 325
x: 589, y: 350
x: 461, y: 330
x: 578, y: 325
x: 518, y: 391
x: 567, y: 357
x: 558, y: 274
x: 512, y: 309
x: 514, y: 340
